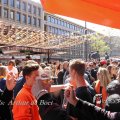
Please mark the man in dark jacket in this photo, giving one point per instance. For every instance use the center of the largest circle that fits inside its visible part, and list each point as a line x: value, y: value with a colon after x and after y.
x: 6, y: 97
x: 50, y: 110
x: 77, y: 71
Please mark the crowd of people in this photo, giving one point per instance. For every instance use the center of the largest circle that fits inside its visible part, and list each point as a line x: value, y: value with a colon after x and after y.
x: 69, y: 90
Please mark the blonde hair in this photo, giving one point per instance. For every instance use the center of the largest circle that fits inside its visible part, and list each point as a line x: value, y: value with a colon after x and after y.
x: 118, y: 75
x: 104, y: 77
x: 2, y: 71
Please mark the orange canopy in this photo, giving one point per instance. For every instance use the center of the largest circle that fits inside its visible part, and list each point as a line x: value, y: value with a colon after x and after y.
x: 104, y: 12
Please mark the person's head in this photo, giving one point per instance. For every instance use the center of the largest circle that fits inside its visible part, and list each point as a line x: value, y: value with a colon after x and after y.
x: 30, y: 72
x: 97, y: 51
x: 113, y: 103
x: 59, y: 67
x: 94, y: 64
x: 45, y: 79
x: 113, y: 88
x: 2, y: 71
x: 90, y: 66
x: 11, y: 64
x: 106, y: 53
x: 104, y: 77
x: 43, y: 65
x: 112, y: 70
x: 65, y: 65
x: 115, y: 62
x: 103, y: 63
x: 108, y: 62
x: 28, y: 58
x: 77, y: 67
x: 47, y: 68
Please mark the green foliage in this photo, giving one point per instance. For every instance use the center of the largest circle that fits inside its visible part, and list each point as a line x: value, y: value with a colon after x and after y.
x: 98, y: 44
x: 27, y: 52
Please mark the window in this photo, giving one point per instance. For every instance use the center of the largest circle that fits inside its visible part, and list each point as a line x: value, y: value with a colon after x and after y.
x: 24, y: 6
x: 12, y: 14
x: 29, y: 19
x: 78, y: 29
x: 65, y: 24
x: 68, y: 25
x: 59, y: 31
x: 49, y: 28
x: 34, y: 21
x: 75, y: 28
x: 24, y: 19
x: 5, y: 13
x: 49, y: 19
x: 5, y: 2
x: 56, y: 21
x: 34, y: 10
x: 12, y: 3
x: 62, y: 32
x: 39, y: 11
x: 18, y: 16
x: 29, y: 8
x: 59, y: 22
x: 18, y: 4
x: 62, y: 23
x: 56, y: 30
x: 53, y: 30
x: 52, y: 20
x: 39, y: 23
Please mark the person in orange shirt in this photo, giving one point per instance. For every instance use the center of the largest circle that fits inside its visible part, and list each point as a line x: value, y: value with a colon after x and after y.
x: 100, y: 87
x: 25, y: 105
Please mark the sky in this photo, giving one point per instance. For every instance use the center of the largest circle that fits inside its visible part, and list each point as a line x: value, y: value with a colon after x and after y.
x: 98, y: 28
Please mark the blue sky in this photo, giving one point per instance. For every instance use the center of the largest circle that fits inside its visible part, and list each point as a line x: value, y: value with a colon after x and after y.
x: 98, y: 28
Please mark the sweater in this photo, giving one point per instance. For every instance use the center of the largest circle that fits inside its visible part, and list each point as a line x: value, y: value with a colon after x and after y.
x: 25, y: 105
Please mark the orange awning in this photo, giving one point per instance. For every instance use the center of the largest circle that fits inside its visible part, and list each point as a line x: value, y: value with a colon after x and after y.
x: 104, y: 12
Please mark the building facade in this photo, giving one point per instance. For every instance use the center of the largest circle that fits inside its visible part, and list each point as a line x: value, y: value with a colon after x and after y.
x: 30, y: 14
x: 22, y: 13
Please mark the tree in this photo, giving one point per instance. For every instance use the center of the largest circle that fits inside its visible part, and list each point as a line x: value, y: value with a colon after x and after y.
x: 98, y: 44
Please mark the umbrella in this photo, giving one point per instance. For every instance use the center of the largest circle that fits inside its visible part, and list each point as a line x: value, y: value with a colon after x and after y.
x: 104, y: 12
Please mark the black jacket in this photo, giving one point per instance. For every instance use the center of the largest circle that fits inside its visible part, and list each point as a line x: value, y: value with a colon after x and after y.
x: 5, y: 98
x: 89, y: 111
x: 51, y: 111
x: 83, y: 93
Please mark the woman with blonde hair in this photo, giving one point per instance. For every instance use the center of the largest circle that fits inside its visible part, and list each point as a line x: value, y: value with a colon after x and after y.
x: 118, y: 75
x: 112, y: 71
x: 100, y: 87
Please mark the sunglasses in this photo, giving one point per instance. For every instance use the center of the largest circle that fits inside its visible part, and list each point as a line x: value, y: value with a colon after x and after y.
x: 47, y: 81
